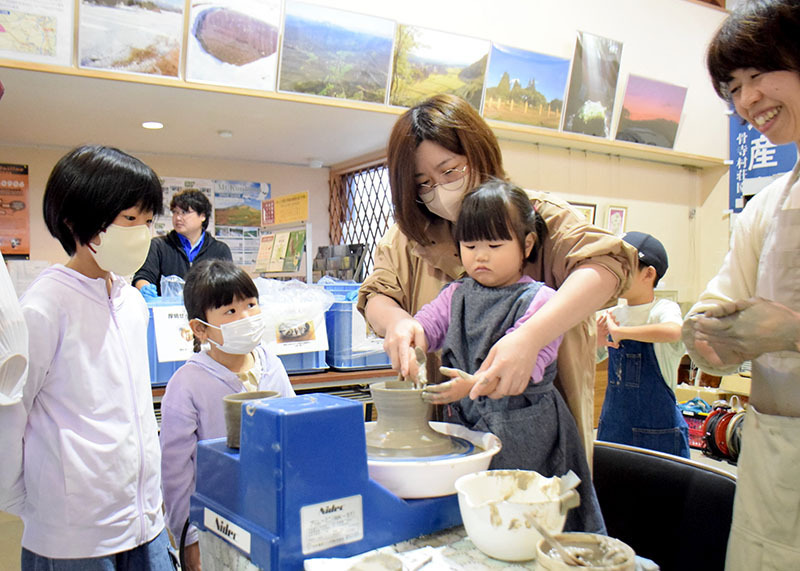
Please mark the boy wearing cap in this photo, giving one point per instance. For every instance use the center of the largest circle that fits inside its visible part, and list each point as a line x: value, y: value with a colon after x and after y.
x: 643, y: 343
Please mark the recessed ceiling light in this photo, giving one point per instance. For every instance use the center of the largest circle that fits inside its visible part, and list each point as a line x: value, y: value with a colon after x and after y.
x: 225, y: 134
x: 152, y: 125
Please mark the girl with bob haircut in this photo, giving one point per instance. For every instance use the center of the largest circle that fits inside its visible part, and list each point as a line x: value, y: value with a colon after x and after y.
x: 750, y: 311
x: 438, y: 151
x: 222, y: 307
x: 498, y: 233
x: 88, y: 488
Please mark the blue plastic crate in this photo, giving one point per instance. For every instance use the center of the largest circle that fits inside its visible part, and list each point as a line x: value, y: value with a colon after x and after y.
x: 340, y: 319
x: 160, y: 372
x: 312, y: 362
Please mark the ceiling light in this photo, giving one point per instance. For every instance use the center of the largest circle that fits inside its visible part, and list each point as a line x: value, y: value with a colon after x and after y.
x: 225, y: 134
x: 315, y: 163
x: 152, y: 125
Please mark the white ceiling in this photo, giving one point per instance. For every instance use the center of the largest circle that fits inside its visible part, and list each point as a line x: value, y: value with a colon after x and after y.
x: 54, y: 110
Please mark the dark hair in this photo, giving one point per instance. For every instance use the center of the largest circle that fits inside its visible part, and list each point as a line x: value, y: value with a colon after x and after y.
x: 761, y: 34
x: 496, y: 209
x: 89, y: 186
x: 454, y: 124
x: 192, y: 199
x: 211, y: 284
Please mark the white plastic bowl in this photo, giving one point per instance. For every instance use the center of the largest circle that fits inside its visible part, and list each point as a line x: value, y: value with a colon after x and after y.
x: 495, y: 506
x: 420, y: 478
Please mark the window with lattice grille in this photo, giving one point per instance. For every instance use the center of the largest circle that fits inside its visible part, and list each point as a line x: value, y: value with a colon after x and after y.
x: 360, y: 208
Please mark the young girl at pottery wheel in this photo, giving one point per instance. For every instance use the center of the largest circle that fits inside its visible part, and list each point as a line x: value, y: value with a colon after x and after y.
x: 222, y: 307
x: 498, y: 232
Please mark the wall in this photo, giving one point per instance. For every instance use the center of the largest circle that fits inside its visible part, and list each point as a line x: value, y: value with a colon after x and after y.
x: 283, y: 178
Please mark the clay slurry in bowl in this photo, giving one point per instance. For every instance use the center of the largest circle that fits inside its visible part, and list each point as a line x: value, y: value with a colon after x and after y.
x: 402, y: 428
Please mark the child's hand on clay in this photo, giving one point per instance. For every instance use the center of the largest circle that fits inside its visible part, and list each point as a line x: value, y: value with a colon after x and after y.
x: 449, y: 391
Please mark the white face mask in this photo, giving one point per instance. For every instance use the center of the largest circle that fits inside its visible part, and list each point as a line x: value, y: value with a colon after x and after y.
x: 239, y: 337
x: 447, y: 200
x: 122, y: 249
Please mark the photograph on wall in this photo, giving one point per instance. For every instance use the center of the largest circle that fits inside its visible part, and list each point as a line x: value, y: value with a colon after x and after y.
x: 136, y: 36
x: 334, y: 53
x: 162, y: 225
x: 36, y: 31
x: 651, y: 112
x: 429, y: 62
x: 525, y: 87
x: 592, y: 85
x: 586, y: 210
x: 615, y: 220
x: 237, y: 214
x: 15, y: 231
x: 234, y: 43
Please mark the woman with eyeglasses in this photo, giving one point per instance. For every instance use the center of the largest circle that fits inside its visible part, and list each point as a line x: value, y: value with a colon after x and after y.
x: 437, y: 152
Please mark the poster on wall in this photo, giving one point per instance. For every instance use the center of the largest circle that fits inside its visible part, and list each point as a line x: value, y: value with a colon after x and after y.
x: 651, y: 112
x: 172, y: 185
x: 592, y: 85
x: 335, y: 53
x: 237, y: 212
x: 15, y: 227
x: 36, y: 31
x: 136, y: 36
x: 755, y: 161
x: 525, y: 87
x: 234, y: 42
x: 429, y: 62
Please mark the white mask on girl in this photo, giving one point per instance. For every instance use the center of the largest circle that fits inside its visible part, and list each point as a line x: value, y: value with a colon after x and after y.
x: 239, y: 337
x: 122, y: 249
x: 447, y: 200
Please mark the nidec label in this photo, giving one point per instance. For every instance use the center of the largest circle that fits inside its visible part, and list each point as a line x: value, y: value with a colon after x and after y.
x: 331, y: 523
x: 227, y: 530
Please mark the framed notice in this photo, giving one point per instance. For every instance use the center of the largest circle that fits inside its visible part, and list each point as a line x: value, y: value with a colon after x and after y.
x: 15, y: 229
x: 615, y: 221
x: 586, y: 210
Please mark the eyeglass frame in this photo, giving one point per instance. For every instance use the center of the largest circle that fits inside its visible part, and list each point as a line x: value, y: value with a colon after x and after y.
x: 181, y: 213
x: 429, y: 188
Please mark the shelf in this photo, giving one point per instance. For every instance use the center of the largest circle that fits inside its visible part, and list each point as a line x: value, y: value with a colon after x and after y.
x: 310, y: 116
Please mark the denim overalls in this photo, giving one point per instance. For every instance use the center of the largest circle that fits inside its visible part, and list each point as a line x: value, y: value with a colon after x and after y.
x: 639, y: 408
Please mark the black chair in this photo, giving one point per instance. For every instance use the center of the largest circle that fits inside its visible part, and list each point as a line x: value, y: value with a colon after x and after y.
x: 674, y: 511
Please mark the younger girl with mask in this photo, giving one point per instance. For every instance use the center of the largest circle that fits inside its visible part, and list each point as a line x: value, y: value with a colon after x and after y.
x: 222, y: 307
x: 88, y: 485
x: 498, y: 233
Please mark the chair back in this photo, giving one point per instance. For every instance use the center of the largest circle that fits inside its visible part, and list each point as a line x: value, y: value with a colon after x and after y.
x: 674, y: 511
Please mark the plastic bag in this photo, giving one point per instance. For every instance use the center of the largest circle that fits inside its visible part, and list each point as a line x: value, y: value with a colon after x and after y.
x: 172, y: 288
x: 291, y: 307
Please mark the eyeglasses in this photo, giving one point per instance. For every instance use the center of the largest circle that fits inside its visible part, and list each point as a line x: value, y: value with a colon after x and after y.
x: 425, y: 190
x: 178, y: 213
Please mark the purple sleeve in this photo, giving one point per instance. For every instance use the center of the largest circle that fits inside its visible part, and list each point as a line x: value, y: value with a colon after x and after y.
x: 179, y: 426
x: 435, y: 317
x: 549, y: 352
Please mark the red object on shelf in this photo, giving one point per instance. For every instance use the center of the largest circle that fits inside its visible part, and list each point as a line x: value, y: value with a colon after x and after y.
x: 695, y: 422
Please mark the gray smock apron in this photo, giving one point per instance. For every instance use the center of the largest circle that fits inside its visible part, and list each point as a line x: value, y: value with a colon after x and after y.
x: 765, y: 533
x: 536, y: 427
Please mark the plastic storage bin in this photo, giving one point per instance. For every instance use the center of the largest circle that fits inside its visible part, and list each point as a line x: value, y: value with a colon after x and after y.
x: 346, y: 328
x: 313, y: 362
x: 160, y: 372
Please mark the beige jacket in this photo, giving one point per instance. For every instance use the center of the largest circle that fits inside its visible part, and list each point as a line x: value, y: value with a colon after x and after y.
x: 413, y: 275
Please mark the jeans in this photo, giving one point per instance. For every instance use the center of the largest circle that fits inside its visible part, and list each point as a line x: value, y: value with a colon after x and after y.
x: 151, y: 556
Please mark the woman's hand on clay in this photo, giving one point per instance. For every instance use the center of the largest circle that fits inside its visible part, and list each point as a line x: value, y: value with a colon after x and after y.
x: 456, y: 388
x: 507, y: 368
x: 399, y: 343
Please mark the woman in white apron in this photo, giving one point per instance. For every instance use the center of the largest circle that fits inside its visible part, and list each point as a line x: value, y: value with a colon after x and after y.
x: 751, y: 309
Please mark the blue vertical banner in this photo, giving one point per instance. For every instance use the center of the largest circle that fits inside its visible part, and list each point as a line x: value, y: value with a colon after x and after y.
x: 755, y: 162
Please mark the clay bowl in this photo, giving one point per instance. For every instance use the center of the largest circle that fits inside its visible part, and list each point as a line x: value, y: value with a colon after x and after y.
x: 598, y: 551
